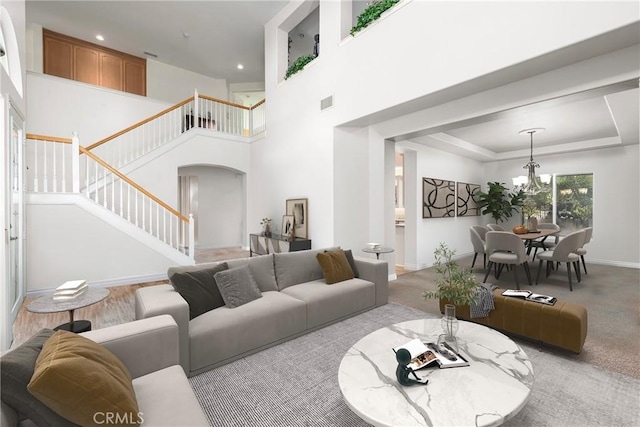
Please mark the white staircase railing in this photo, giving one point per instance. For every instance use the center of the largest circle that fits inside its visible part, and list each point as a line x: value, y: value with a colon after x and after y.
x: 53, y: 166
x: 198, y: 111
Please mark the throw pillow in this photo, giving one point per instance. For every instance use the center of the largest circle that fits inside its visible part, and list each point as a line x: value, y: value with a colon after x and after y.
x: 352, y: 262
x: 199, y: 289
x: 335, y: 266
x: 78, y: 378
x: 16, y: 370
x: 237, y: 286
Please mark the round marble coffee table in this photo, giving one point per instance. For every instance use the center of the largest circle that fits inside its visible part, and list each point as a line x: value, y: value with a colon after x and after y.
x: 493, y: 388
x: 47, y: 304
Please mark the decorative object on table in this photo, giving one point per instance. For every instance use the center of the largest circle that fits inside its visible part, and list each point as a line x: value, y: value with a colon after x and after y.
x: 299, y: 209
x: 529, y: 210
x: 531, y: 184
x: 520, y: 229
x: 467, y: 199
x: 372, y: 13
x: 533, y: 224
x: 438, y: 198
x: 403, y: 357
x: 70, y: 290
x: 266, y: 226
x: 456, y: 285
x: 288, y: 227
x: 499, y: 202
x: 373, y: 246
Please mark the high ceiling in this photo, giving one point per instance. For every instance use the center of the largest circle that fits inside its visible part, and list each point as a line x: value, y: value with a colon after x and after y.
x: 206, y: 37
x: 213, y: 37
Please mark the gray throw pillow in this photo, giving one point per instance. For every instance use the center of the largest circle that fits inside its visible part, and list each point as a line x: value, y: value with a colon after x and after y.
x: 237, y: 286
x: 16, y: 370
x: 199, y: 289
x: 352, y: 262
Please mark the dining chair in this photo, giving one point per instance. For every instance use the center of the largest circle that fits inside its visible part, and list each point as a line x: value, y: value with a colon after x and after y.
x: 506, y: 248
x: 495, y: 227
x: 478, y: 233
x: 563, y: 252
x: 549, y: 242
x: 581, y: 251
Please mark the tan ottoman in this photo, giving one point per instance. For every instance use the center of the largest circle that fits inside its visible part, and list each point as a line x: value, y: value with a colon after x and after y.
x: 563, y: 324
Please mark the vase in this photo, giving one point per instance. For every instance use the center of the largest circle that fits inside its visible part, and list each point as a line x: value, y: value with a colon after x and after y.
x: 267, y: 230
x: 449, y: 325
x: 533, y: 223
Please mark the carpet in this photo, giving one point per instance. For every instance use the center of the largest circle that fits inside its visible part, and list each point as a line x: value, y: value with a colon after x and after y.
x: 296, y: 383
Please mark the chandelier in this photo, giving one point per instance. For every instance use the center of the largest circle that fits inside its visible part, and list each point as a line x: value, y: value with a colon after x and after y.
x: 531, y: 184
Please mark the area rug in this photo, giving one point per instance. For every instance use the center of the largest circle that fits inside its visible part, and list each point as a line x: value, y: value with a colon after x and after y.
x: 296, y: 383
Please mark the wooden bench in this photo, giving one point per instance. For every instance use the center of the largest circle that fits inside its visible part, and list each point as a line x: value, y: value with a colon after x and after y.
x: 563, y: 324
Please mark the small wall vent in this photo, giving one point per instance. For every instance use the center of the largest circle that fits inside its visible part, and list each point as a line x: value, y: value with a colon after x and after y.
x: 326, y: 102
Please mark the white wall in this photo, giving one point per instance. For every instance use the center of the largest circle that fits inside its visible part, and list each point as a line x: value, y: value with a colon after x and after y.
x: 616, y: 197
x: 221, y: 202
x: 65, y: 242
x: 173, y: 84
x: 379, y: 70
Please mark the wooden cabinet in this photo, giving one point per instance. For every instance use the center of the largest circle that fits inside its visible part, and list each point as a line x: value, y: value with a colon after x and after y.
x: 86, y: 62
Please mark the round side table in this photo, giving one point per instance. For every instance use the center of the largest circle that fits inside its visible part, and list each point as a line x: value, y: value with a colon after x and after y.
x: 378, y: 251
x: 47, y: 304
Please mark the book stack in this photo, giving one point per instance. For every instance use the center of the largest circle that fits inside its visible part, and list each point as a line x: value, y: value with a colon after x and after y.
x: 70, y: 290
x: 431, y: 354
x: 530, y: 296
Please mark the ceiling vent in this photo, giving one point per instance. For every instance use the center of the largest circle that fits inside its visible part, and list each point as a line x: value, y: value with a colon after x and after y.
x: 326, y: 102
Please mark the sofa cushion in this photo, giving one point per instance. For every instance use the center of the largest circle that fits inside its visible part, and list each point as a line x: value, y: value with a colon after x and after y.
x: 16, y: 370
x: 225, y: 333
x: 262, y: 269
x: 237, y: 286
x: 199, y: 289
x: 297, y: 267
x: 77, y: 378
x: 335, y: 266
x: 352, y: 262
x: 328, y: 303
x: 161, y: 393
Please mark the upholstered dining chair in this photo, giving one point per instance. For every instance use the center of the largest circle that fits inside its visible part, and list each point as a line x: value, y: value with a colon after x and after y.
x: 563, y: 252
x: 495, y: 227
x: 549, y: 243
x: 478, y: 233
x: 506, y: 248
x: 581, y: 251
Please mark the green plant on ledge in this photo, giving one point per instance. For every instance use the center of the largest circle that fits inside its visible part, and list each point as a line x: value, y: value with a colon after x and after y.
x: 371, y: 13
x: 298, y: 65
x: 455, y: 284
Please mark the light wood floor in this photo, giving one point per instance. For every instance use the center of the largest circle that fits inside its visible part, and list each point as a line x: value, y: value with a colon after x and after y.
x: 117, y: 308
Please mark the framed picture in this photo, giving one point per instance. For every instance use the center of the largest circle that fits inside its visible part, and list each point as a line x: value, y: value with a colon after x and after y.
x: 299, y: 209
x: 438, y: 198
x: 287, y: 225
x: 467, y: 199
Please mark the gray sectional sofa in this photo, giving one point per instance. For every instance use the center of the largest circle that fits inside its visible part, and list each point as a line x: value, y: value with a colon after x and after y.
x: 295, y: 300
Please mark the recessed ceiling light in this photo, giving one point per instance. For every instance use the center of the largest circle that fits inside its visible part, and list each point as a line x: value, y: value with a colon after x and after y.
x: 240, y: 67
x: 99, y: 37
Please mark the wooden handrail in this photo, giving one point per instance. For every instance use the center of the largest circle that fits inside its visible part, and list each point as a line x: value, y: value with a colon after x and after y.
x: 257, y: 104
x: 223, y: 102
x: 147, y: 120
x: 49, y: 138
x: 133, y: 184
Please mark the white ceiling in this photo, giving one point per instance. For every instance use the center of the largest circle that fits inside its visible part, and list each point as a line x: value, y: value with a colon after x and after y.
x: 223, y: 34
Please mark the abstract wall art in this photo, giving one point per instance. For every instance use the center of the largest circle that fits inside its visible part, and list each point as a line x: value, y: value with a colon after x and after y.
x: 467, y: 200
x: 438, y: 198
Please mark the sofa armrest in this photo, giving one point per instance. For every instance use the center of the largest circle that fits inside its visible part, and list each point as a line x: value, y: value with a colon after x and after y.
x: 156, y: 300
x: 144, y: 346
x: 375, y: 271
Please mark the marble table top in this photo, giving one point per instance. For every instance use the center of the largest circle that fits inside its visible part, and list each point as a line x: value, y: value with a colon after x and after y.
x: 47, y: 304
x: 493, y: 388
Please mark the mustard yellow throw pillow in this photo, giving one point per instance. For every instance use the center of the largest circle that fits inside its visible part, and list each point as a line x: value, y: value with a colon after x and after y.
x: 83, y: 382
x: 335, y: 266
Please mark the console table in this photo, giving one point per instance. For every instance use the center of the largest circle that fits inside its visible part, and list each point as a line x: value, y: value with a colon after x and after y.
x: 276, y: 243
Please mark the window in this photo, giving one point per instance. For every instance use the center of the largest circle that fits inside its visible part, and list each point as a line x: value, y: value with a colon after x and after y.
x: 569, y: 204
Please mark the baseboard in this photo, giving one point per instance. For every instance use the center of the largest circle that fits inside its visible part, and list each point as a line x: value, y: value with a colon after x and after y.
x: 610, y: 263
x: 108, y: 283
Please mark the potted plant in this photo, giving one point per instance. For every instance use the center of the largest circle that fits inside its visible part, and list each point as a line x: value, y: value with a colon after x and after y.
x: 298, y: 65
x: 456, y: 286
x: 372, y: 13
x: 499, y: 202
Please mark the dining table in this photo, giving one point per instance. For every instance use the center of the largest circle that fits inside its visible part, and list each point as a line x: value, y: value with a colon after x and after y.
x: 534, y: 235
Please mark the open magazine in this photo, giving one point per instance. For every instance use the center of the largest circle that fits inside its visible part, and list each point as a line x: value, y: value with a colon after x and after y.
x: 431, y: 354
x: 530, y: 296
